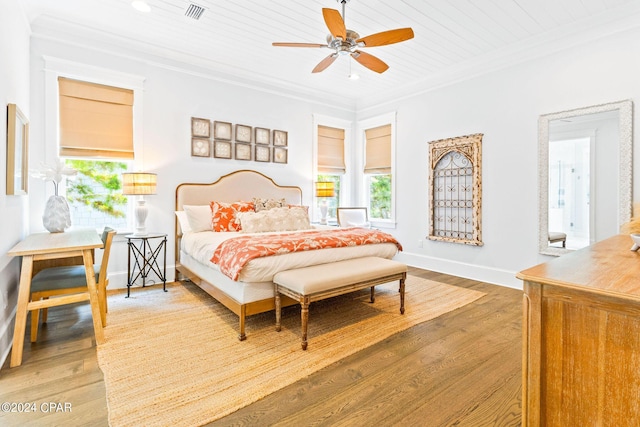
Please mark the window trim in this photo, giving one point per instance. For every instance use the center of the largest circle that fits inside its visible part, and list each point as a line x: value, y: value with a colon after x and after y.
x: 56, y: 67
x: 361, y: 126
x: 346, y: 182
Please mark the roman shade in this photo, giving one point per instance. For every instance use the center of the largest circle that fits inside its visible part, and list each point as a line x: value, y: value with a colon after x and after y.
x: 330, y: 150
x: 95, y: 120
x: 378, y: 150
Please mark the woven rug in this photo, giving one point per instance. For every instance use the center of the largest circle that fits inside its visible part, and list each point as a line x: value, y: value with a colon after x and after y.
x: 173, y: 358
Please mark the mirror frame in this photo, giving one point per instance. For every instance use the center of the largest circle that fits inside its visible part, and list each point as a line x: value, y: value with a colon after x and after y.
x: 625, y: 166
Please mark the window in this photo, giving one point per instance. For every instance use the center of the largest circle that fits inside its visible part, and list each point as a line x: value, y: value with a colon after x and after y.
x: 331, y: 165
x: 378, y: 171
x: 96, y: 139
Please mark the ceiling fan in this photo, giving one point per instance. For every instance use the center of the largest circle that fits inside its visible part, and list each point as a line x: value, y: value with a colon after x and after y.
x: 347, y: 42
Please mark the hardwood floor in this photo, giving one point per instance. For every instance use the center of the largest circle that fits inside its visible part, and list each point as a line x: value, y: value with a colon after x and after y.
x: 462, y: 369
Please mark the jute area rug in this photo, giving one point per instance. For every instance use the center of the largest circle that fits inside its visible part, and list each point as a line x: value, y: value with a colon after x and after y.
x: 173, y: 359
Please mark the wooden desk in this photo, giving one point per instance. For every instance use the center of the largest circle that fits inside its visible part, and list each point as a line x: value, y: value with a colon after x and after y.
x: 46, y: 246
x: 581, y: 338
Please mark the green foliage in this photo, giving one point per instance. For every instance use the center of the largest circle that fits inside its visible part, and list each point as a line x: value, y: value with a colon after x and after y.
x: 380, y: 193
x: 98, y: 186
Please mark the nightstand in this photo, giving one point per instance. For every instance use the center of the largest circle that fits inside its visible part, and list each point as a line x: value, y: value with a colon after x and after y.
x: 144, y: 258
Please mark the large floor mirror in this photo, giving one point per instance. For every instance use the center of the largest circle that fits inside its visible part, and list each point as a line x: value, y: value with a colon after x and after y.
x: 585, y: 167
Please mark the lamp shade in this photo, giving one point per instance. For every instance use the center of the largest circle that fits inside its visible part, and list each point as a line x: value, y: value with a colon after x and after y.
x: 324, y: 189
x: 138, y: 183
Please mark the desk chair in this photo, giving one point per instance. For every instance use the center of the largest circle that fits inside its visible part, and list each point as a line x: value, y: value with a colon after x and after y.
x: 353, y: 217
x: 69, y: 285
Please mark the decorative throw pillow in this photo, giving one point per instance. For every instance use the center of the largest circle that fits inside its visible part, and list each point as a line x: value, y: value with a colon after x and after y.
x: 266, y: 204
x: 199, y: 217
x: 223, y: 215
x: 276, y: 219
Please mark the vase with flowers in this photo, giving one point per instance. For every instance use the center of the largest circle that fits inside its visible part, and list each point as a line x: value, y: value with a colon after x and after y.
x: 56, y: 217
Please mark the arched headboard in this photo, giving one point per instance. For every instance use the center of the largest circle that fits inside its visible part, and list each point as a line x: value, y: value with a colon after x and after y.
x: 239, y: 185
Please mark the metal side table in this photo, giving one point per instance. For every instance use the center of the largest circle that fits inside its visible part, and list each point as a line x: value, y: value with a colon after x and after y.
x: 145, y: 253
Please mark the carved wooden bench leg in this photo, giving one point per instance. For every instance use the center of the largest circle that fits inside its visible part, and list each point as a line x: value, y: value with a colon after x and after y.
x: 278, y: 310
x: 373, y: 294
x: 304, y: 316
x: 402, y: 293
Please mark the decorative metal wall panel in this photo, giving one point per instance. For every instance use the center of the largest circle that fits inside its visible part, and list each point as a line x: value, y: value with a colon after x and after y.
x: 455, y: 190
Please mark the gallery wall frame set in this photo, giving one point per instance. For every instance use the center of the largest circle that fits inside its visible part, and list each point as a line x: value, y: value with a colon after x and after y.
x: 224, y: 140
x: 17, y: 151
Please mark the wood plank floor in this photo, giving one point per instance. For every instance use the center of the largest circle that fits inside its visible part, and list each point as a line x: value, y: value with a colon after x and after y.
x: 462, y: 369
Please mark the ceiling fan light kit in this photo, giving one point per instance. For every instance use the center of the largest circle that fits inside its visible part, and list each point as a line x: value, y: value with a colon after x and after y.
x: 348, y: 42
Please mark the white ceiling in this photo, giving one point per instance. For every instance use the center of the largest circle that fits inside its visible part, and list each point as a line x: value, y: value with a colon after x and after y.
x: 454, y: 39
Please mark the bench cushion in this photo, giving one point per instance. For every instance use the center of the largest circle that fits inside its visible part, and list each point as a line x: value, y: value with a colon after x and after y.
x: 318, y: 278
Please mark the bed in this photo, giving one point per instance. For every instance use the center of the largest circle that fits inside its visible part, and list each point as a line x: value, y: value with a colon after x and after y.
x: 251, y: 291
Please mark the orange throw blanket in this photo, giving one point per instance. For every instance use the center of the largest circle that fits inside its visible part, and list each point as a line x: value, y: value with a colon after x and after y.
x: 232, y: 255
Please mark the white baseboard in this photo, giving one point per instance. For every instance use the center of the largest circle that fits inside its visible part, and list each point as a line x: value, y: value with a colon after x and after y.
x: 468, y: 271
x: 6, y: 337
x: 118, y: 279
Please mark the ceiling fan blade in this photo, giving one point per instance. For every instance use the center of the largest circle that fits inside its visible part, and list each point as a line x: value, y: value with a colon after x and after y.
x: 325, y: 63
x: 370, y: 61
x: 387, y: 37
x: 298, y: 44
x: 335, y: 23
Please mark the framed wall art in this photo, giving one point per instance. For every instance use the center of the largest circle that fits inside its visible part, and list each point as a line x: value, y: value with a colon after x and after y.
x: 222, y: 149
x: 200, y: 128
x: 280, y: 138
x: 17, y: 151
x: 279, y: 155
x: 262, y: 136
x: 222, y: 130
x: 243, y: 151
x: 263, y: 153
x: 243, y: 133
x: 200, y: 147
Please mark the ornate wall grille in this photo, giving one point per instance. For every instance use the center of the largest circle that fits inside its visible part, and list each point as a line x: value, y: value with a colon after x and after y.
x: 455, y: 189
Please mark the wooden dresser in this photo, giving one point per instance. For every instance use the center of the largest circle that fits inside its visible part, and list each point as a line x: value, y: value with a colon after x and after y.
x: 581, y: 338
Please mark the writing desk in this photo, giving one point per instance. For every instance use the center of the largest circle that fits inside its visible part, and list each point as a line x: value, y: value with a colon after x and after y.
x: 47, y: 246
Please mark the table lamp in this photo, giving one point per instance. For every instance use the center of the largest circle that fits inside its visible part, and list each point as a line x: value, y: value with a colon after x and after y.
x: 139, y: 184
x: 323, y: 191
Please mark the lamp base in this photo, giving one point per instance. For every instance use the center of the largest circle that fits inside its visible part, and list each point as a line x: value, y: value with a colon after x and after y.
x: 323, y: 212
x: 141, y: 216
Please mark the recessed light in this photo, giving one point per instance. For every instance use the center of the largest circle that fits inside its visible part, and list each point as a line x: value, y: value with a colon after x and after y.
x: 140, y: 5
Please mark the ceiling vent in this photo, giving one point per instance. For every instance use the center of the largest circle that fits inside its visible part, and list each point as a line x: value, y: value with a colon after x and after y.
x: 194, y: 11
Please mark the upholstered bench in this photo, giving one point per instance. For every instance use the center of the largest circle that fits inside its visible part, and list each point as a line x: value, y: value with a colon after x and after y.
x: 318, y: 282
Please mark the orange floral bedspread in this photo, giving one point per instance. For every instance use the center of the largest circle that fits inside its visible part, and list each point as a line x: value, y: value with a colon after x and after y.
x: 233, y: 254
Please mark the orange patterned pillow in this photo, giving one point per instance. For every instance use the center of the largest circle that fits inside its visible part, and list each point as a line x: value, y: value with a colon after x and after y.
x: 223, y: 215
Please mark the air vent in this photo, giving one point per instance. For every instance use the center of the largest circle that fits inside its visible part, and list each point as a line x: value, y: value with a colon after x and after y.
x: 194, y: 11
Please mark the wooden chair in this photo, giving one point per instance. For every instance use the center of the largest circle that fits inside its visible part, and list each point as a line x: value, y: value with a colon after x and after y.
x: 69, y: 285
x: 353, y: 217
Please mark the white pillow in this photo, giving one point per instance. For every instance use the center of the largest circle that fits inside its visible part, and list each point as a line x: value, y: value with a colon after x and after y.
x: 276, y: 219
x: 183, y: 221
x: 199, y: 217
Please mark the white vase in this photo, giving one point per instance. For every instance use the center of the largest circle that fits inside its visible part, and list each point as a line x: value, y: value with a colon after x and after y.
x: 56, y: 216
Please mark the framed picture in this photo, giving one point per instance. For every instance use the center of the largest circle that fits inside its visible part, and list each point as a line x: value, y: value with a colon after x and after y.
x: 17, y: 151
x: 200, y: 128
x: 280, y: 138
x: 243, y: 133
x: 263, y: 154
x: 200, y: 147
x: 243, y: 151
x: 279, y: 155
x: 262, y: 136
x: 222, y: 149
x: 222, y: 130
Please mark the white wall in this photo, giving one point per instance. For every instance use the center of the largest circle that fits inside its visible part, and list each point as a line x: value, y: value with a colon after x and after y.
x: 504, y: 106
x: 171, y: 97
x: 14, y: 89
